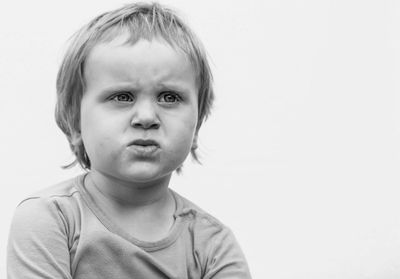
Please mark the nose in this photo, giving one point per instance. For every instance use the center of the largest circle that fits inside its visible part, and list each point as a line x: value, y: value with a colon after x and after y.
x: 145, y: 116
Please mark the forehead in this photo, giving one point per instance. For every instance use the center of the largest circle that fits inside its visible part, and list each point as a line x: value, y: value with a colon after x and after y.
x: 117, y: 37
x: 176, y: 39
x: 123, y: 44
x: 153, y: 60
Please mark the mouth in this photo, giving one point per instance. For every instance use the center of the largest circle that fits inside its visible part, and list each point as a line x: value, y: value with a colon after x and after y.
x: 144, y: 143
x: 144, y: 148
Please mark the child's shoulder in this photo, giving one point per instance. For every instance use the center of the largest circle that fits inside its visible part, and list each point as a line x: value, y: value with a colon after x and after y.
x: 62, y: 197
x: 56, y: 207
x: 211, y: 237
x: 200, y: 217
x: 65, y: 188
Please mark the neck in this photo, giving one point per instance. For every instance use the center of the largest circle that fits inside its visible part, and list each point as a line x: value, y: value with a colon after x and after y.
x: 133, y: 194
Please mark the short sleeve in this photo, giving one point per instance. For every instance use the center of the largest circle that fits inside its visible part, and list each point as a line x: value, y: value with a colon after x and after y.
x: 226, y: 259
x: 38, y: 242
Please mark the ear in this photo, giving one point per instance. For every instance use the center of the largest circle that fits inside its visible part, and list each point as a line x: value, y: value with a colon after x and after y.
x: 194, y: 142
x: 76, y: 138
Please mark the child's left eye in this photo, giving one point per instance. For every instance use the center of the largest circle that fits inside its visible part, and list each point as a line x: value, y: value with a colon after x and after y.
x: 169, y: 97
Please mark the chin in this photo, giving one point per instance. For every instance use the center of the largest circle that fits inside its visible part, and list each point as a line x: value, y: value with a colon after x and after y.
x: 145, y: 175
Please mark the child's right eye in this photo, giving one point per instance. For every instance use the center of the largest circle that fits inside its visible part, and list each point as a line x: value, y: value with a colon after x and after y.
x: 123, y: 98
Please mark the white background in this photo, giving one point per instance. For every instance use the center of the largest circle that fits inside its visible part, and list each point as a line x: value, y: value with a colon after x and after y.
x: 301, y: 157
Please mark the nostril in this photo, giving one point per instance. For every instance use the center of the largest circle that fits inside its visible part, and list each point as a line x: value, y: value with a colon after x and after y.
x: 155, y: 125
x: 145, y: 124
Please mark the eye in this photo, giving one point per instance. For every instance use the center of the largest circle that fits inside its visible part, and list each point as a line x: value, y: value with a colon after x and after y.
x: 169, y: 97
x: 123, y: 98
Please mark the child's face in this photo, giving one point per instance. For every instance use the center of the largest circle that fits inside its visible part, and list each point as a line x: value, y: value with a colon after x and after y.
x: 139, y: 110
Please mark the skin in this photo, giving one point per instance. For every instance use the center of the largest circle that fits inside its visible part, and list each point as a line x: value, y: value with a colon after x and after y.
x: 147, y: 90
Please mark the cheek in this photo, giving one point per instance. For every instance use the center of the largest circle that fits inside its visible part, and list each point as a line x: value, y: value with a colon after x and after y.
x: 96, y: 138
x: 184, y: 134
x: 189, y: 122
x: 101, y: 150
x: 191, y: 119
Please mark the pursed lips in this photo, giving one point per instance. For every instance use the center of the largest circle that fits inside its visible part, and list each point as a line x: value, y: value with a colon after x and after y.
x: 144, y: 147
x: 145, y: 142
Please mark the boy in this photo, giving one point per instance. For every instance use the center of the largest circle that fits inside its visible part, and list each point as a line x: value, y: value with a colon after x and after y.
x: 132, y: 93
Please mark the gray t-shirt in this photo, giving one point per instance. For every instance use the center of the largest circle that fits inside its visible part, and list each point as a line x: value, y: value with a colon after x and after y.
x: 62, y: 233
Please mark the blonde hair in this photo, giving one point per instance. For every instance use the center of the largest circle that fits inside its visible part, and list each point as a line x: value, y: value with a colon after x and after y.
x: 139, y: 21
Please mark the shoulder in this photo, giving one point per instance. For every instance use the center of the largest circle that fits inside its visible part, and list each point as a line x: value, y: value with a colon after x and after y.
x: 203, y: 223
x: 63, y: 189
x: 214, y: 242
x: 55, y: 193
x: 57, y: 204
x: 43, y: 231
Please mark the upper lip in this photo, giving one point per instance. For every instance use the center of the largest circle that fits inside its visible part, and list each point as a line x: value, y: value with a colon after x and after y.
x: 144, y: 142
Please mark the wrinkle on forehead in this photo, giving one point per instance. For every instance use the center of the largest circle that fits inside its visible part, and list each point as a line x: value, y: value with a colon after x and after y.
x: 121, y: 37
x: 153, y: 61
x: 130, y: 35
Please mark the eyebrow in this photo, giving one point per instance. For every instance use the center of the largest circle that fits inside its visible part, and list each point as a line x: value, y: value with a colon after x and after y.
x: 178, y: 86
x: 132, y: 87
x: 119, y: 87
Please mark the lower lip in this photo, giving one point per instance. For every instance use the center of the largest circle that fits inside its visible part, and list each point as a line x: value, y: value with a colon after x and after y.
x: 144, y: 151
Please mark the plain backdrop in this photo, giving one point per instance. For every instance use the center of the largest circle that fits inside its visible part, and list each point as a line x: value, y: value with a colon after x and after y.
x: 301, y: 156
